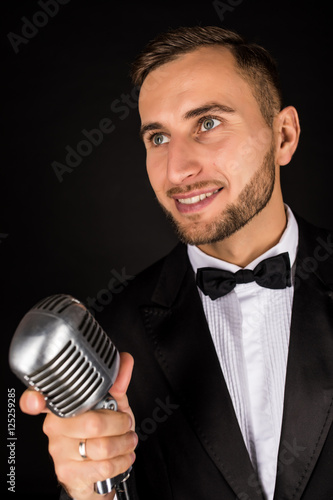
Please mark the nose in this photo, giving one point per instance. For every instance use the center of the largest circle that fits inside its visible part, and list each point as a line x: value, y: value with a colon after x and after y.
x: 183, y: 160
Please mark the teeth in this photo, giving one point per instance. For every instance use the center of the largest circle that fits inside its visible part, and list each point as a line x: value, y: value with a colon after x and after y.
x: 196, y: 199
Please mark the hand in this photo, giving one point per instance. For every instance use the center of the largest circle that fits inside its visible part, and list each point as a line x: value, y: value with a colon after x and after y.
x: 110, y: 438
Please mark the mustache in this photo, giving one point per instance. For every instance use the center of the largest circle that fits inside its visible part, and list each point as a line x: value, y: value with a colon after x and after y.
x: 194, y: 187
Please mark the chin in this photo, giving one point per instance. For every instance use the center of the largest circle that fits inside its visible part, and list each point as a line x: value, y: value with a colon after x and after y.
x: 199, y: 232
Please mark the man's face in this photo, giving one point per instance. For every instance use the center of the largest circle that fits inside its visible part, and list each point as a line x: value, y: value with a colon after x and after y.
x: 210, y: 154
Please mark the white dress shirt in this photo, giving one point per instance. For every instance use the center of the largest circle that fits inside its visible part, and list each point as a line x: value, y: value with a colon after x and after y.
x: 250, y: 328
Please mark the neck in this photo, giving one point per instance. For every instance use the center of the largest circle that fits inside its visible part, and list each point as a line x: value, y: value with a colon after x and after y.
x: 260, y: 234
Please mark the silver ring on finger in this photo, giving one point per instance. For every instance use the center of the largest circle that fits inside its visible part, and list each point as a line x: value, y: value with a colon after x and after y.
x: 82, y: 449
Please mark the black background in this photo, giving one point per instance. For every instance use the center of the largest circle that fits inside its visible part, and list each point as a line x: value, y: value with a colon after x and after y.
x: 66, y: 237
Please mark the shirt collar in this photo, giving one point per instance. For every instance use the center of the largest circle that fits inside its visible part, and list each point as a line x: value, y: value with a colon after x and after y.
x: 288, y: 243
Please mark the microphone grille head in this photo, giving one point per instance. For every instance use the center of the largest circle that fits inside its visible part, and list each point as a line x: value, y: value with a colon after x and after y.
x: 61, y: 350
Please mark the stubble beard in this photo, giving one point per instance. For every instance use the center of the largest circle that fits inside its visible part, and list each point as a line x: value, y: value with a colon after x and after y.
x: 253, y: 198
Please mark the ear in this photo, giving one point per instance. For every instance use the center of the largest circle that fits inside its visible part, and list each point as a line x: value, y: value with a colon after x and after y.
x: 287, y: 132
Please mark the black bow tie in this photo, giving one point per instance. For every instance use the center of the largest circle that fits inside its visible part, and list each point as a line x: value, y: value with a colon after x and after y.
x: 270, y: 273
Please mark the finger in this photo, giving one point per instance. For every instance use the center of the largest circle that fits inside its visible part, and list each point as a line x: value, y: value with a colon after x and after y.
x: 123, y: 379
x: 119, y: 388
x: 111, y: 447
x: 92, y: 424
x: 32, y: 402
x: 63, y: 448
x: 79, y: 477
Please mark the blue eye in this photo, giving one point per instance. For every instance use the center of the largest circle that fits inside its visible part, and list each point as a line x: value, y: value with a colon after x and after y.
x: 209, y: 124
x: 159, y: 139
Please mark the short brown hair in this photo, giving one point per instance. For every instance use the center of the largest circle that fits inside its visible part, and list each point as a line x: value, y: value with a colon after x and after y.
x: 254, y: 63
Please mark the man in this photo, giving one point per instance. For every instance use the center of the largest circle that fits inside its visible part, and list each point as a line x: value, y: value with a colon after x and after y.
x: 232, y: 384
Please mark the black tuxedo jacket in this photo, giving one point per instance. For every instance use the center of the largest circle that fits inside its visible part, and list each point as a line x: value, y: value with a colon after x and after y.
x: 190, y: 443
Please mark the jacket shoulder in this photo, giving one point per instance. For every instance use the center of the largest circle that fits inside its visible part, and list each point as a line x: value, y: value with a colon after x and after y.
x: 315, y: 252
x: 124, y: 308
x: 146, y: 281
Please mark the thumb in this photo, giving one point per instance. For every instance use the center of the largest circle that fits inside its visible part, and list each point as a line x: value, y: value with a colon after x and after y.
x: 119, y: 388
x: 32, y: 402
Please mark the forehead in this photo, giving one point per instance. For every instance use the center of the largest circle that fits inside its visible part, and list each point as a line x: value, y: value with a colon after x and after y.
x: 206, y: 74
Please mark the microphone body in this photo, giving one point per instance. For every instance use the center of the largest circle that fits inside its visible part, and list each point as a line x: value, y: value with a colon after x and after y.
x: 61, y: 351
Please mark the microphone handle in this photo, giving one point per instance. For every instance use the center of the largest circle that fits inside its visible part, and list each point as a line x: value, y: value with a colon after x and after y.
x: 122, y: 491
x: 117, y: 482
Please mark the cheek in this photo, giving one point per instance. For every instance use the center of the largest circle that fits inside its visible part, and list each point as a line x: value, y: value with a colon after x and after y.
x: 156, y: 173
x: 241, y: 156
x: 237, y: 162
x: 228, y: 159
x: 250, y: 152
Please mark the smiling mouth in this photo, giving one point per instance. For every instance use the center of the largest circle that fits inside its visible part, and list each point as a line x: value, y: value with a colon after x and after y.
x: 198, y: 198
x: 193, y: 203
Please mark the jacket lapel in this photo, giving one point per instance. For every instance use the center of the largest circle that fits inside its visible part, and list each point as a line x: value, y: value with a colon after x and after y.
x: 177, y: 327
x: 309, y: 383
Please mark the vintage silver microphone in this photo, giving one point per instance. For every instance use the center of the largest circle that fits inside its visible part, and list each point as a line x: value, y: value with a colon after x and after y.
x: 61, y: 351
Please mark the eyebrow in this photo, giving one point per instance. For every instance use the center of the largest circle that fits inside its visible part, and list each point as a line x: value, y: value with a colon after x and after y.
x: 192, y: 113
x: 208, y: 108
